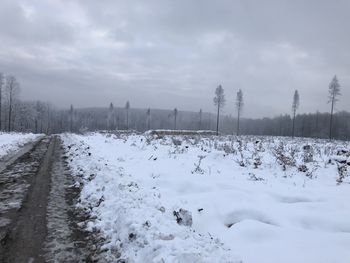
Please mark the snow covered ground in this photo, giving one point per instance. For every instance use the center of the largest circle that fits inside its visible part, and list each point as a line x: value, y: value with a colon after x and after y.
x: 250, y: 200
x: 10, y: 142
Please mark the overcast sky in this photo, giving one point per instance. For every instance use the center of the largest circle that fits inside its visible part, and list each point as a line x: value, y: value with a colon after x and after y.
x: 173, y: 53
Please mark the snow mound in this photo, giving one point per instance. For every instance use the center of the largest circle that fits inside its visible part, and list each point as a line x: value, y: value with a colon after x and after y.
x: 10, y: 142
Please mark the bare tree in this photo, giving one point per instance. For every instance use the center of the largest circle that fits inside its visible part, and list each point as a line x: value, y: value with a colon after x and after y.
x: 42, y: 116
x: 334, y: 92
x: 239, y: 106
x: 175, y: 117
x: 12, y: 91
x: 127, y: 108
x: 2, y: 78
x: 295, y: 106
x: 149, y: 118
x: 26, y: 117
x: 200, y: 119
x: 219, y: 102
x: 110, y: 117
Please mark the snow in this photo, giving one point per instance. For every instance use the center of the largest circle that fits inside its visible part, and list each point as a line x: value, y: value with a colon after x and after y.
x: 10, y: 142
x: 248, y: 198
x: 178, y: 132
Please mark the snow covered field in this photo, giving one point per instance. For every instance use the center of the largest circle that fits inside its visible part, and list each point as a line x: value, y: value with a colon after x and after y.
x: 249, y: 200
x: 10, y: 142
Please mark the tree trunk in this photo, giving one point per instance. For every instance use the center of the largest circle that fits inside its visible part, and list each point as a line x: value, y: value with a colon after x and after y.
x: 293, y: 125
x: 331, y: 120
x: 217, y: 120
x: 238, y: 122
x: 127, y: 119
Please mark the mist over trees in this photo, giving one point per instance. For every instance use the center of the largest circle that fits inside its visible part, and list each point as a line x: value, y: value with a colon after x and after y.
x: 42, y: 117
x: 71, y: 119
x: 148, y: 118
x: 12, y: 91
x: 127, y: 109
x: 111, y: 117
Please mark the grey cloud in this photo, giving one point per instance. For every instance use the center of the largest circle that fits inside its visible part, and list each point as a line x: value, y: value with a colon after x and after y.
x: 42, y: 28
x: 169, y: 54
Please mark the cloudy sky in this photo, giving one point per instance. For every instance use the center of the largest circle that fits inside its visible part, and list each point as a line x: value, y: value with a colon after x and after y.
x: 173, y: 53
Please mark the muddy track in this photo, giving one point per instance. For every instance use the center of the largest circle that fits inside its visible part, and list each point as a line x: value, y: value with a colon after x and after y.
x: 28, y: 192
x: 38, y: 218
x: 9, y: 159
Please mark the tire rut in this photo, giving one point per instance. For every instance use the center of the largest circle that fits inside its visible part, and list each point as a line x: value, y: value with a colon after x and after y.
x: 26, y: 185
x: 39, y: 221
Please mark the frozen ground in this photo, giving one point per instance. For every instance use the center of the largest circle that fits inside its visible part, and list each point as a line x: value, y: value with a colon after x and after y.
x: 10, y: 142
x: 253, y: 200
x: 38, y: 219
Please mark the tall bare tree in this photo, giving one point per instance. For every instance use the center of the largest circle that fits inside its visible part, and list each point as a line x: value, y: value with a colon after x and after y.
x: 333, y: 93
x: 239, y: 106
x: 2, y: 78
x: 295, y: 106
x: 12, y: 91
x: 127, y: 108
x: 175, y: 117
x: 219, y: 102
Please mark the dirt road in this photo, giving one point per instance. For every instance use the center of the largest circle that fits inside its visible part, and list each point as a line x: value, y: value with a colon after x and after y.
x: 38, y: 221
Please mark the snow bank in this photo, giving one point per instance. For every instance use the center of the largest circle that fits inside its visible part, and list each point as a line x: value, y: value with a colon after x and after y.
x: 161, y: 132
x: 10, y: 142
x: 252, y: 199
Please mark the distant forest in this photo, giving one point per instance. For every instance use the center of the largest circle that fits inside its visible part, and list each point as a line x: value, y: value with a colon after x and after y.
x: 40, y: 117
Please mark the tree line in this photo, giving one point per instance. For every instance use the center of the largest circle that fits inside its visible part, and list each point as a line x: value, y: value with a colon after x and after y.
x: 42, y: 117
x: 333, y: 94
